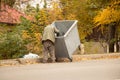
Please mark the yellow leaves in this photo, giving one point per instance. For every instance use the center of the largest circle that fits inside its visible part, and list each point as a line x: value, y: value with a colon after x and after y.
x: 107, y: 16
x: 38, y: 37
x: 115, y: 4
x: 104, y: 17
x: 55, y: 13
x: 25, y: 34
x: 35, y: 37
x: 43, y: 17
x: 55, y: 4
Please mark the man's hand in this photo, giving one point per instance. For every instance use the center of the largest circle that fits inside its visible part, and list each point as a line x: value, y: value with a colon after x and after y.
x: 58, y: 34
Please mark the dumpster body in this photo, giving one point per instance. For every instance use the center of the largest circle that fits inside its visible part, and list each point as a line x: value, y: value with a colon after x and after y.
x: 68, y: 40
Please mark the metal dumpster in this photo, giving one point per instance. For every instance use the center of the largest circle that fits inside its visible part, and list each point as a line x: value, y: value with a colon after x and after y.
x: 68, y: 40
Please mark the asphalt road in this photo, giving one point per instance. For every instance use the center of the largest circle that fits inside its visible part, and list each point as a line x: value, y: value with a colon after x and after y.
x: 84, y: 70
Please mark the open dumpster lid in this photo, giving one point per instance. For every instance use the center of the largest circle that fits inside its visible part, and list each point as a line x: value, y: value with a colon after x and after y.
x: 65, y: 26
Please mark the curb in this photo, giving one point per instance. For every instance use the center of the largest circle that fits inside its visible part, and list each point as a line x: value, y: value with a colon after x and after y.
x: 76, y: 58
x: 19, y: 61
x: 96, y: 56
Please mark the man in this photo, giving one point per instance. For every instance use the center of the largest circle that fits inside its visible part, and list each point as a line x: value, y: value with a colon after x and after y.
x: 48, y: 41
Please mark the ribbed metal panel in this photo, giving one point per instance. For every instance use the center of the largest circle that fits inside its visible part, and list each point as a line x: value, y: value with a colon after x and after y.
x: 68, y: 40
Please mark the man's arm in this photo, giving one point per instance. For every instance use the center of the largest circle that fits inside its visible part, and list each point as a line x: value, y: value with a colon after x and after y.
x: 56, y: 30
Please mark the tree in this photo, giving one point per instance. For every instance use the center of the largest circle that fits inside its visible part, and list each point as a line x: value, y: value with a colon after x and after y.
x: 11, y: 45
x: 78, y: 10
x: 57, y: 12
x: 110, y: 18
x: 8, y: 2
x: 32, y: 30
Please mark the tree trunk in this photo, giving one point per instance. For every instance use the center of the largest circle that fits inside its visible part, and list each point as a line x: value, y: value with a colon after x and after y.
x: 111, y: 38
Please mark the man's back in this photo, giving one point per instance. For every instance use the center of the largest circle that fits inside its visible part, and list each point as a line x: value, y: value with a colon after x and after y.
x: 49, y: 33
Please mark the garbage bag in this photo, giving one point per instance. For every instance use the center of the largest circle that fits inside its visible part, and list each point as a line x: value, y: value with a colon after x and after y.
x: 31, y: 55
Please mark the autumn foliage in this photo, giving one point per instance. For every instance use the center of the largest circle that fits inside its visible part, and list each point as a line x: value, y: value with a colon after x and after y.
x: 104, y: 15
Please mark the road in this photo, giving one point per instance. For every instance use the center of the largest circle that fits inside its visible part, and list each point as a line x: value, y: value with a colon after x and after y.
x: 83, y: 70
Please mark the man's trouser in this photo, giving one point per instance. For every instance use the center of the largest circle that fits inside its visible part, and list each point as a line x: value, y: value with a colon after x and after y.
x: 48, y: 47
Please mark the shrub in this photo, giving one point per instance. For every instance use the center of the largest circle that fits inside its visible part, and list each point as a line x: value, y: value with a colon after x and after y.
x: 11, y: 46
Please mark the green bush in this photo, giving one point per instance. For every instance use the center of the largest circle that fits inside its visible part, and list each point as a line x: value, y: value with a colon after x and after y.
x: 11, y: 46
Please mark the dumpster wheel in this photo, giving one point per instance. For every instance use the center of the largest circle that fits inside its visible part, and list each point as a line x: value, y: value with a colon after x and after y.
x: 70, y: 59
x: 56, y: 60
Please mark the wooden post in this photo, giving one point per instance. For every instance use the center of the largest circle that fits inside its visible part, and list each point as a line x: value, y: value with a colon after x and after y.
x: 115, y: 47
x: 107, y: 48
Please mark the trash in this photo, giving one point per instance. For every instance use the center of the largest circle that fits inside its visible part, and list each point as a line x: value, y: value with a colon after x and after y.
x: 31, y: 55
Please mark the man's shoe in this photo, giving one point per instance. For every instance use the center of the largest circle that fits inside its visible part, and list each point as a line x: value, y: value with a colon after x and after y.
x: 53, y: 61
x: 44, y: 61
